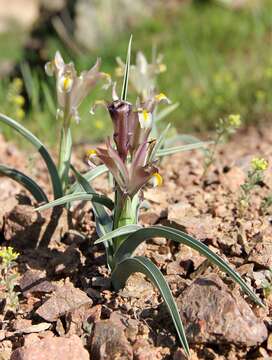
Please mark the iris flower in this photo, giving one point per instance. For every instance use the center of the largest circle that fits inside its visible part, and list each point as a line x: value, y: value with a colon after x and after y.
x: 71, y: 88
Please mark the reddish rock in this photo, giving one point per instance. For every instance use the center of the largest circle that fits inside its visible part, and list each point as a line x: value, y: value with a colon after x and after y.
x: 28, y: 228
x: 211, y: 314
x: 142, y: 350
x: 57, y: 348
x: 35, y: 282
x: 262, y: 254
x: 109, y: 342
x: 66, y: 299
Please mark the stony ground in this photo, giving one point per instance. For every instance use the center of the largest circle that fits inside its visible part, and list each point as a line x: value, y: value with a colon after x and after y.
x: 67, y: 307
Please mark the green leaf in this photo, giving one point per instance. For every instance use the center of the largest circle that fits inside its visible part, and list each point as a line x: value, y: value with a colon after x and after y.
x: 181, y: 148
x: 25, y: 181
x: 101, y: 199
x: 123, y: 230
x: 103, y: 219
x: 165, y: 112
x: 143, y: 265
x: 57, y: 188
x: 126, y: 75
x: 127, y: 248
x: 89, y: 176
x: 159, y: 144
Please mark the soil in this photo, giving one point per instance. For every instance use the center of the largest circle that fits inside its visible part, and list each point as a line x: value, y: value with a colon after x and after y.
x: 67, y: 307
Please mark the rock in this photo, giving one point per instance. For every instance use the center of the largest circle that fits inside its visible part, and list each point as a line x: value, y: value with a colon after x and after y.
x: 211, y: 314
x: 101, y: 282
x: 66, y: 299
x: 189, y: 258
x: 261, y: 254
x: 32, y: 338
x: 142, y: 350
x: 137, y: 287
x: 233, y: 179
x: 201, y: 227
x: 5, y: 349
x: 150, y: 217
x: 66, y: 262
x: 130, y: 326
x: 269, y: 342
x: 76, y: 318
x: 180, y: 355
x: 35, y: 282
x: 109, y: 342
x: 56, y: 348
x: 8, y: 190
x: 180, y: 210
x: 28, y: 229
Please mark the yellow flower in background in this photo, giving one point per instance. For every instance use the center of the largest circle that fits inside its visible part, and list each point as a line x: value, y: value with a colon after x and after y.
x: 19, y: 100
x: 20, y: 114
x: 99, y: 124
x: 259, y: 164
x: 234, y: 120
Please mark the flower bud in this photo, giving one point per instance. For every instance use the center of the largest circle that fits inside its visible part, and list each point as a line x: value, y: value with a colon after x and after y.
x: 120, y: 113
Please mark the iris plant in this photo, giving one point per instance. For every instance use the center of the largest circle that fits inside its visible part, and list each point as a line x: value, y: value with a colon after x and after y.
x: 131, y: 156
x: 71, y: 90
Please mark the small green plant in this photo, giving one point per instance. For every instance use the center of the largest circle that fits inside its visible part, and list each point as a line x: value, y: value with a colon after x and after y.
x: 131, y: 157
x: 254, y: 177
x: 224, y: 128
x: 71, y: 90
x: 8, y: 278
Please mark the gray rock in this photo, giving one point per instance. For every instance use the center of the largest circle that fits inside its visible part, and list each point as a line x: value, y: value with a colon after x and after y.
x: 211, y: 314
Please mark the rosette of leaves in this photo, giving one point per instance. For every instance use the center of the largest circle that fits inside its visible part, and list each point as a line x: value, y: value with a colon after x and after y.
x: 131, y: 157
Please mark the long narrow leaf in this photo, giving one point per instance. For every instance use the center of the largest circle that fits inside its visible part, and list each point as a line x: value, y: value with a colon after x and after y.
x: 123, y: 230
x: 101, y: 199
x: 141, y: 264
x: 89, y: 176
x: 25, y: 181
x: 127, y: 248
x: 181, y: 148
x: 103, y: 219
x: 65, y: 157
x: 126, y: 75
x: 165, y: 112
x: 42, y: 150
x: 159, y: 143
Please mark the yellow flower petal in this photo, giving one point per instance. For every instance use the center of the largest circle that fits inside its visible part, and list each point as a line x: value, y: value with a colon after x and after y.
x: 161, y: 97
x: 157, y: 180
x: 91, y: 153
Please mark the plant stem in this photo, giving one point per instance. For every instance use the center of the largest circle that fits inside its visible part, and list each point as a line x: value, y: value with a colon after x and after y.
x: 65, y: 147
